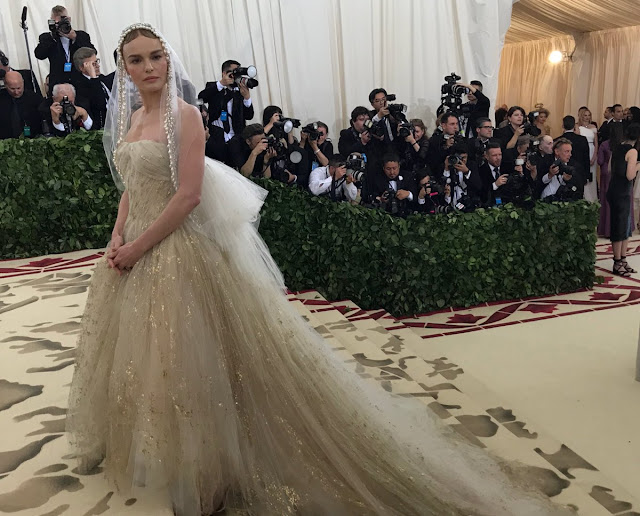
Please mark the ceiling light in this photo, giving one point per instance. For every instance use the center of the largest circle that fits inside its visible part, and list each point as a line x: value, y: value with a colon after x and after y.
x: 556, y: 56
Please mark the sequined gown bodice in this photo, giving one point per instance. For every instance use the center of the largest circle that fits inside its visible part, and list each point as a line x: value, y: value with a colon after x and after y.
x: 194, y: 373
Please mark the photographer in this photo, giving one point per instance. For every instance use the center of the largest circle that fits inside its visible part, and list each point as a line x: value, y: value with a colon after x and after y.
x: 389, y: 190
x: 92, y: 85
x: 463, y: 178
x: 381, y: 114
x: 563, y: 181
x: 516, y: 127
x: 358, y: 139
x: 19, y: 113
x: 541, y: 157
x: 66, y: 112
x: 59, y: 45
x: 29, y: 78
x: 579, y: 149
x: 316, y: 144
x: 249, y: 152
x: 430, y: 196
x: 229, y: 107
x: 441, y: 141
x: 415, y: 146
x: 477, y: 107
x: 333, y: 181
x: 492, y: 175
x: 284, y: 167
x: 478, y: 144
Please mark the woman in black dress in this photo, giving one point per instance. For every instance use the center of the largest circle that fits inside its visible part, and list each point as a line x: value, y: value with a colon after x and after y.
x: 509, y: 134
x: 624, y: 168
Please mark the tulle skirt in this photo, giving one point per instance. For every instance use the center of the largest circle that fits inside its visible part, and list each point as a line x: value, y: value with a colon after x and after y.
x: 196, y: 375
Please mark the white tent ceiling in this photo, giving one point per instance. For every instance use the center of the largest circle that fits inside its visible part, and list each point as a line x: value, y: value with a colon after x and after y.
x: 542, y: 19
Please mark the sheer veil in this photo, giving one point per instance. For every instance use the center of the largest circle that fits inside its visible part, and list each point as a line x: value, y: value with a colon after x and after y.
x: 229, y: 210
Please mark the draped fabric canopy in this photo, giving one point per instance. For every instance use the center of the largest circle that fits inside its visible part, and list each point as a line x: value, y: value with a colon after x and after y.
x: 317, y: 60
x: 544, y: 19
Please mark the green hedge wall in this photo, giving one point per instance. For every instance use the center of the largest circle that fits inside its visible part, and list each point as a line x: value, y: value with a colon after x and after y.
x: 58, y: 196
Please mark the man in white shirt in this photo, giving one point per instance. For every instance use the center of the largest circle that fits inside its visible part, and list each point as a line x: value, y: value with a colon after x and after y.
x: 553, y: 179
x: 333, y: 181
x: 65, y: 123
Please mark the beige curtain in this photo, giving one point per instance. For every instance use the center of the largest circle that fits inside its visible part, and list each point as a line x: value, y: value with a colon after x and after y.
x: 604, y: 70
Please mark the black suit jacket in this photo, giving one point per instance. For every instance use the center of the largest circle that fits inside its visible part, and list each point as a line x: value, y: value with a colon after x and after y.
x: 52, y: 49
x: 378, y: 183
x: 478, y: 110
x: 579, y: 154
x: 394, y: 128
x: 28, y: 112
x: 92, y: 91
x: 217, y: 102
x: 488, y: 194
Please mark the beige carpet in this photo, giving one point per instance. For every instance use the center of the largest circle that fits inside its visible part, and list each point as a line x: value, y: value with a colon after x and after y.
x: 548, y: 382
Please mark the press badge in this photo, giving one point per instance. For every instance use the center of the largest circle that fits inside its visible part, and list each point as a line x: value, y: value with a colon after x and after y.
x: 27, y: 130
x: 223, y: 116
x: 67, y: 67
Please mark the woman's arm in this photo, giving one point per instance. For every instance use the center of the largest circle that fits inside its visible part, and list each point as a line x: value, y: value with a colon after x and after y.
x: 187, y: 197
x: 123, y: 212
x: 595, y: 145
x: 632, y: 164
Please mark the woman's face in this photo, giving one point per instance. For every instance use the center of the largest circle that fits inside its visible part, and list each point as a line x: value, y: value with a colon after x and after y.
x: 418, y: 133
x: 322, y: 135
x: 585, y: 118
x: 542, y: 118
x: 517, y: 118
x: 146, y: 63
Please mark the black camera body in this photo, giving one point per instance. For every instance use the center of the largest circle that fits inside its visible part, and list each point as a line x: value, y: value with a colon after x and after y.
x: 311, y: 130
x: 564, y: 168
x: 245, y: 74
x: 533, y: 156
x: 397, y: 111
x: 356, y: 166
x: 63, y: 26
x: 404, y: 129
x: 451, y: 94
x: 67, y: 107
x: 375, y: 128
x: 389, y: 202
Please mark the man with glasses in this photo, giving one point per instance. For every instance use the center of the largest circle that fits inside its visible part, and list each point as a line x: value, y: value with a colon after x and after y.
x: 91, y: 85
x: 478, y: 144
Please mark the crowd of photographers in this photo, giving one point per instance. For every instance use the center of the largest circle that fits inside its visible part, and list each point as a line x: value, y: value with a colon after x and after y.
x: 384, y: 159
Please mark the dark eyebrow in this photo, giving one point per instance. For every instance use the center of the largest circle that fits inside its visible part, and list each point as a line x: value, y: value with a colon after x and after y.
x: 152, y: 53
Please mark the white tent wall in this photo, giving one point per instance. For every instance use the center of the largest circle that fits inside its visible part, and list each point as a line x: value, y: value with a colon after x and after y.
x: 317, y: 60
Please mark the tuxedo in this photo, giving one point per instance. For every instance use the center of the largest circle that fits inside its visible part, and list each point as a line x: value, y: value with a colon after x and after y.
x: 96, y: 92
x: 579, y: 154
x: 16, y: 114
x: 378, y: 183
x: 55, y: 51
x: 488, y: 175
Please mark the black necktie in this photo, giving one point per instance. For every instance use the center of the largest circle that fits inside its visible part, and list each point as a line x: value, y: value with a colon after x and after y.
x: 16, y: 119
x: 496, y: 172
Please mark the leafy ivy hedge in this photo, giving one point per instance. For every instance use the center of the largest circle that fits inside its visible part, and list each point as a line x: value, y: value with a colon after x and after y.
x: 425, y: 263
x: 57, y: 195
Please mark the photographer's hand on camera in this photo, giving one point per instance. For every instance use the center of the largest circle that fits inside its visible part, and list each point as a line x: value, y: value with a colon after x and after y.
x: 365, y: 137
x: 502, y: 180
x: 56, y: 112
x: 533, y: 170
x: 553, y: 170
x: 244, y: 91
x: 401, y: 195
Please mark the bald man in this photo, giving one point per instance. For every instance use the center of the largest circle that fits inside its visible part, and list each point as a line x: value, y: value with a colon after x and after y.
x: 19, y: 113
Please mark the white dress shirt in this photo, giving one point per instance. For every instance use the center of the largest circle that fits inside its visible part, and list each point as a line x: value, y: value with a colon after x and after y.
x: 218, y: 122
x: 553, y: 183
x: 320, y: 182
x: 394, y: 184
x: 87, y: 124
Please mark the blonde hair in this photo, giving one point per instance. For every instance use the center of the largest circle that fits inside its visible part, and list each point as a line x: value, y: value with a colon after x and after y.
x: 58, y: 10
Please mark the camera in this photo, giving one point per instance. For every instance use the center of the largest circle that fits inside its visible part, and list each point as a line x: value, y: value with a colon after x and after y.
x: 389, y: 202
x: 67, y: 107
x: 245, y: 74
x: 63, y: 26
x: 451, y: 94
x: 312, y: 130
x: 397, y: 111
x: 374, y: 128
x: 404, y: 129
x: 283, y: 126
x: 564, y: 168
x: 356, y: 166
x: 533, y: 156
x: 455, y: 159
